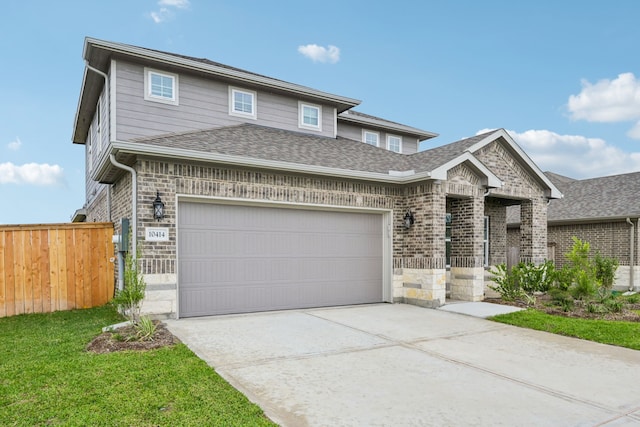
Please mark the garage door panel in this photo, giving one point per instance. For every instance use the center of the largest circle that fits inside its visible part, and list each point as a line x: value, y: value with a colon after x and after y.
x: 235, y: 259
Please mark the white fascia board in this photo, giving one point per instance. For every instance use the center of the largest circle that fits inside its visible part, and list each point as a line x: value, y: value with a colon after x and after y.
x: 385, y: 124
x: 75, y: 119
x: 217, y: 70
x: 177, y: 153
x: 554, y: 192
x: 492, y: 180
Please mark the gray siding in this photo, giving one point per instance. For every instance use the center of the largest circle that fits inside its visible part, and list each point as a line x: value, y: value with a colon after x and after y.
x: 96, y: 143
x: 351, y: 131
x: 203, y: 104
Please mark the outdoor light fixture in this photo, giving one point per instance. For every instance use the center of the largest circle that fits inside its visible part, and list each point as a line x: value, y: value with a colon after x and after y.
x: 408, y: 220
x: 158, y: 207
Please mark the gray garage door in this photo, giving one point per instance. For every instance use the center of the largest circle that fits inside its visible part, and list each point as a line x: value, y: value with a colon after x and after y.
x: 240, y: 259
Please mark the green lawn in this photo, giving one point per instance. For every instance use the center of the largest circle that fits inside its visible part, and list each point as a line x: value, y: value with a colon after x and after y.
x: 46, y: 378
x: 623, y: 334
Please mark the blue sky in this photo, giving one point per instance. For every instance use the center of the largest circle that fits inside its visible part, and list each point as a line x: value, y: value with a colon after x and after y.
x: 562, y: 77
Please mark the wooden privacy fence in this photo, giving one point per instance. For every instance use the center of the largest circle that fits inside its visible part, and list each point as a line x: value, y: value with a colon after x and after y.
x: 50, y: 267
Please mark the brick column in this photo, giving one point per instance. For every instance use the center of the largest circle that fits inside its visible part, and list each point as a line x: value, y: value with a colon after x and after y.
x: 420, y: 274
x: 533, y: 230
x: 467, y: 270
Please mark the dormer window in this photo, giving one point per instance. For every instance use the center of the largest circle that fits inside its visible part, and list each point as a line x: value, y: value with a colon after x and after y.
x: 160, y: 86
x: 394, y: 143
x: 242, y: 103
x: 371, y: 138
x: 310, y: 116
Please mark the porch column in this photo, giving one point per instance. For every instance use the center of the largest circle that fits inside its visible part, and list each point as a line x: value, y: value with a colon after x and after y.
x: 420, y: 274
x: 533, y: 230
x: 467, y: 260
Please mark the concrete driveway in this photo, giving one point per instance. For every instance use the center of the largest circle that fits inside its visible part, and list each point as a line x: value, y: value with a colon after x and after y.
x: 401, y: 365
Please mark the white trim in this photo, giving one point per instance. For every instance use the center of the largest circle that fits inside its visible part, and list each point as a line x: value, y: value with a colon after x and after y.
x: 554, y: 192
x: 389, y: 136
x: 387, y: 236
x: 254, y: 103
x: 148, y: 96
x: 220, y: 70
x: 111, y: 114
x: 179, y: 153
x: 492, y: 180
x: 348, y: 116
x: 364, y: 137
x: 301, y: 123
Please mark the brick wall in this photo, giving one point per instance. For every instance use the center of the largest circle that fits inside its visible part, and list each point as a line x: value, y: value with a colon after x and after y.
x: 610, y: 238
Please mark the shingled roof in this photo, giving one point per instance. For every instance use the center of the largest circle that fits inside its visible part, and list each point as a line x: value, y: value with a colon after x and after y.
x: 595, y: 199
x: 265, y: 143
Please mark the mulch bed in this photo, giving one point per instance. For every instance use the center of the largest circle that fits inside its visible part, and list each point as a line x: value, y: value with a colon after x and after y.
x: 543, y: 303
x: 125, y: 339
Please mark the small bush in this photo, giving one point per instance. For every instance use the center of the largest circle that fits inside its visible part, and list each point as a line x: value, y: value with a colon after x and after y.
x: 605, y: 270
x: 613, y: 305
x: 523, y: 281
x: 633, y: 299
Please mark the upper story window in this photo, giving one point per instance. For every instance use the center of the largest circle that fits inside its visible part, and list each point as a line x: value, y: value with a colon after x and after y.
x: 310, y: 116
x: 394, y: 143
x: 160, y: 86
x: 242, y: 103
x: 371, y: 138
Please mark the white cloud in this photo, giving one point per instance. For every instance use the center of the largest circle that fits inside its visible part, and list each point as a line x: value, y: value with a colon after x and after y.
x: 609, y: 101
x: 31, y: 173
x: 166, y: 12
x: 15, y: 145
x: 180, y: 4
x: 575, y: 156
x: 330, y: 54
x: 161, y: 15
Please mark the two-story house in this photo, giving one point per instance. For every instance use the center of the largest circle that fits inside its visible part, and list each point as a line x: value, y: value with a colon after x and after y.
x: 280, y: 196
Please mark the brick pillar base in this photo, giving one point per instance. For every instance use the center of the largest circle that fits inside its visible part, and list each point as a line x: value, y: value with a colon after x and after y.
x: 467, y: 283
x: 422, y: 287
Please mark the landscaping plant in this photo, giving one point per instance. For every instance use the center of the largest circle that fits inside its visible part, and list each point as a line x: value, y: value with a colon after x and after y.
x: 129, y: 300
x: 523, y: 281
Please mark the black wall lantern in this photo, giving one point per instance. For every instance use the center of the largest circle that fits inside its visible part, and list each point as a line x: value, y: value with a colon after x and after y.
x: 408, y: 220
x: 158, y: 207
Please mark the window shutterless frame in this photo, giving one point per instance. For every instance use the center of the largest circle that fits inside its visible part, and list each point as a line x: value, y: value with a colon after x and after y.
x: 160, y: 86
x: 371, y: 138
x: 309, y: 116
x: 242, y: 103
x: 394, y: 143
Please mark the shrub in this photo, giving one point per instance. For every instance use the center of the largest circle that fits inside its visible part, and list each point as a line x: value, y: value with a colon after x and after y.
x: 605, y: 270
x: 523, y: 281
x: 128, y: 299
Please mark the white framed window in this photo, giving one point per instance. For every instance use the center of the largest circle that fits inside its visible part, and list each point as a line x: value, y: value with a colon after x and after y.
x: 310, y: 116
x: 485, y: 241
x: 394, y: 143
x: 447, y: 240
x: 371, y: 138
x: 242, y: 103
x: 160, y: 86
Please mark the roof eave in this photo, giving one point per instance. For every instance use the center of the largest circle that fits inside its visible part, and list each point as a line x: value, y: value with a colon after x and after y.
x: 343, y: 103
x: 554, y: 193
x: 421, y: 134
x: 490, y: 179
x: 392, y: 177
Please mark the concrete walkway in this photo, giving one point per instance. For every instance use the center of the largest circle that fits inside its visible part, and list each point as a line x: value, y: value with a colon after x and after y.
x: 401, y: 365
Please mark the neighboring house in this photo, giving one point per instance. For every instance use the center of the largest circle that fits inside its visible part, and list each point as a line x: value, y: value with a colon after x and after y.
x: 280, y: 196
x: 602, y: 211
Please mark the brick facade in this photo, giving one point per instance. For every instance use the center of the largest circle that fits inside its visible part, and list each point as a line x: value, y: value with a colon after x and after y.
x: 418, y: 253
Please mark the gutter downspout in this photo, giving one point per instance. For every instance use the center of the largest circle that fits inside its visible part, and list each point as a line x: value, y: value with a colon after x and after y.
x: 134, y: 204
x: 107, y: 93
x: 631, y: 254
